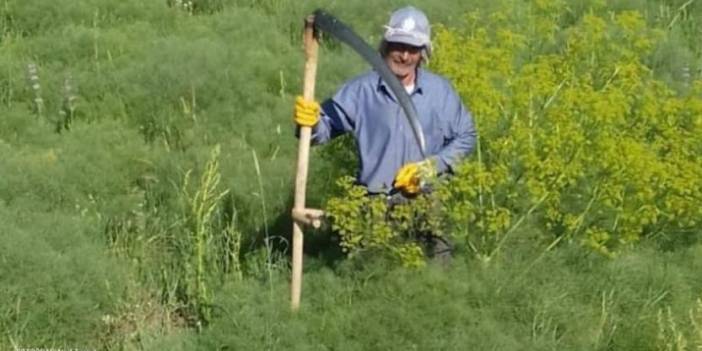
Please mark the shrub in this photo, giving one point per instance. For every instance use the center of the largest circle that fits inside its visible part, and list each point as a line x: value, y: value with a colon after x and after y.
x: 369, y: 224
x: 576, y: 134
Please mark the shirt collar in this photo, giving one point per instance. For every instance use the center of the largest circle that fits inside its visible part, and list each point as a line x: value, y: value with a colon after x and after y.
x: 418, y: 82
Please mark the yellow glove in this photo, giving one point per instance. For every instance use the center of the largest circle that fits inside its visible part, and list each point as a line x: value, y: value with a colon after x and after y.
x: 411, y: 177
x: 306, y: 112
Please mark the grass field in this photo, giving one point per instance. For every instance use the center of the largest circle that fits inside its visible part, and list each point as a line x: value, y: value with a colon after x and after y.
x: 146, y: 168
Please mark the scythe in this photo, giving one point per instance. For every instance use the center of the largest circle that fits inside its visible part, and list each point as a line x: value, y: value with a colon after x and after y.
x: 321, y: 21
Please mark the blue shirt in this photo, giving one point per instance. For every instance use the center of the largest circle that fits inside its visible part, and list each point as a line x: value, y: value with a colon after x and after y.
x: 366, y: 107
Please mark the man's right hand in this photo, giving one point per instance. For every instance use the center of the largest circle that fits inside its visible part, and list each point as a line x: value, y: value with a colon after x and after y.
x: 306, y: 112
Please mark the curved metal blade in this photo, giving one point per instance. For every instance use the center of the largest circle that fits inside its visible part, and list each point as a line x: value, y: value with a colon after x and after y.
x: 333, y: 26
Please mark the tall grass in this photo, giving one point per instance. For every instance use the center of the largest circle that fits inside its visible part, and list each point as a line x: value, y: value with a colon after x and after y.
x: 592, y: 305
x: 57, y: 282
x: 104, y: 245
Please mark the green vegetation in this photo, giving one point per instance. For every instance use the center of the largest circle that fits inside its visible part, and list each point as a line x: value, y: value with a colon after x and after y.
x: 147, y: 157
x: 581, y: 138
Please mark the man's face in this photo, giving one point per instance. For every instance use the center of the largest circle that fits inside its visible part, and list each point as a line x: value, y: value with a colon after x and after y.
x: 403, y: 60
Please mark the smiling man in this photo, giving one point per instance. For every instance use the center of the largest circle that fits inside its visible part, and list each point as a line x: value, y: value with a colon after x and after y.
x: 391, y: 162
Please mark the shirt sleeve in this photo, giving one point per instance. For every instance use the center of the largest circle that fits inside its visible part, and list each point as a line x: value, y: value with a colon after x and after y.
x: 336, y: 116
x: 461, y: 133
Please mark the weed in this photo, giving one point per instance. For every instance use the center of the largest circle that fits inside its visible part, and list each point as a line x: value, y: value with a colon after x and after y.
x: 35, y: 86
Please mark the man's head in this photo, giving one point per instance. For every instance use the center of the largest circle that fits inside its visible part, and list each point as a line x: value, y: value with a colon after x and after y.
x: 406, y: 41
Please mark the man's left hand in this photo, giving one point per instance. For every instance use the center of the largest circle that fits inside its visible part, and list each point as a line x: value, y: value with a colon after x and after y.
x: 411, y: 177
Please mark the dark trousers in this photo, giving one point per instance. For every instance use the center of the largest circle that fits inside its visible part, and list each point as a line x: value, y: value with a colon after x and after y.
x: 437, y: 248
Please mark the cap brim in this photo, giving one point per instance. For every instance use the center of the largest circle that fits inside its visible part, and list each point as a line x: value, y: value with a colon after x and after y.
x: 404, y: 39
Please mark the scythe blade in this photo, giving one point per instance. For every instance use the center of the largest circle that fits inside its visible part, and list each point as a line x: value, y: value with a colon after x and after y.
x: 331, y: 25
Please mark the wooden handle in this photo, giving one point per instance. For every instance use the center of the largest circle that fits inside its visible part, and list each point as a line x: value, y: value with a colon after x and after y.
x: 303, y: 154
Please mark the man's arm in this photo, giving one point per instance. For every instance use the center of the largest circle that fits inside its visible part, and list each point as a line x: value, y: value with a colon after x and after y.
x: 334, y: 120
x: 461, y: 133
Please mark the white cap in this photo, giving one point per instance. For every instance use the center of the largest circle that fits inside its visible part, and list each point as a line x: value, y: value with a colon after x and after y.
x: 409, y: 25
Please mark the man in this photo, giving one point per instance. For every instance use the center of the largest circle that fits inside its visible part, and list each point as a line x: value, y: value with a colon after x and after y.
x: 390, y: 158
